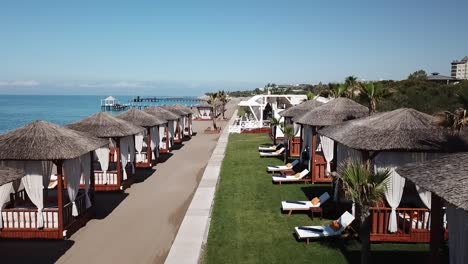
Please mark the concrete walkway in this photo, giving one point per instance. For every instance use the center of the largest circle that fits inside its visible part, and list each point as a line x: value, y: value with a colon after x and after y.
x: 192, y: 235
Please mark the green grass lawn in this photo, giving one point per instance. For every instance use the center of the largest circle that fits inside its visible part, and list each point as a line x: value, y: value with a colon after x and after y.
x: 248, y: 226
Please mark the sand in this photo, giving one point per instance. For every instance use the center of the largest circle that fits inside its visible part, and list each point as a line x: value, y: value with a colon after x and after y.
x: 137, y: 225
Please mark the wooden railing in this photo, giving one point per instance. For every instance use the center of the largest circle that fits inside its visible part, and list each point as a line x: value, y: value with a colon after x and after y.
x: 295, y: 147
x: 80, y: 202
x: 26, y: 218
x: 413, y: 225
x: 319, y: 171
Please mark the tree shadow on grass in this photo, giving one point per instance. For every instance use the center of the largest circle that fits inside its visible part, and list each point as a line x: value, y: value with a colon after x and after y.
x: 33, y: 251
x: 106, y: 202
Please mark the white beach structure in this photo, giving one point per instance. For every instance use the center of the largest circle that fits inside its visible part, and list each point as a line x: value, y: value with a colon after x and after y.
x: 263, y: 107
x: 109, y: 101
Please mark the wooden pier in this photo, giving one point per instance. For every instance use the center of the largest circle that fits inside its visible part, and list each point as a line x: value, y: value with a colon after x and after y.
x: 112, y: 104
x: 139, y: 99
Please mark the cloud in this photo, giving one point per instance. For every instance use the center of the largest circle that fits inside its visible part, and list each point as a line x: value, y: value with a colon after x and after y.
x: 20, y: 83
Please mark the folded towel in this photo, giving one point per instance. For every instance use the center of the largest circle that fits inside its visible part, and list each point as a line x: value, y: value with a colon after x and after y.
x: 296, y: 202
x: 320, y: 230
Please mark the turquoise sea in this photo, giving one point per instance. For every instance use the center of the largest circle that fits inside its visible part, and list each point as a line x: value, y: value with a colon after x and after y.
x: 19, y: 110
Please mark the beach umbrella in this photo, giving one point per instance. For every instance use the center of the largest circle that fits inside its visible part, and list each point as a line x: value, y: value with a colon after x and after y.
x: 401, y: 129
x: 8, y: 174
x: 161, y: 113
x: 41, y: 140
x: 300, y: 109
x: 104, y: 125
x: 141, y: 118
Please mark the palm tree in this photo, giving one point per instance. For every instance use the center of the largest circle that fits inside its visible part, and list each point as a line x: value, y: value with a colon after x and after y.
x: 366, y: 189
x: 455, y: 121
x: 274, y: 123
x: 352, y: 86
x: 310, y: 95
x: 213, y: 102
x: 336, y: 90
x: 374, y: 93
x: 223, y: 98
x: 288, y: 132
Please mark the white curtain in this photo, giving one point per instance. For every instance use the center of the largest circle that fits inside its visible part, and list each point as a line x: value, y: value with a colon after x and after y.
x: 139, y: 146
x: 131, y: 149
x: 124, y: 151
x: 297, y: 129
x: 327, y: 148
x: 5, y: 191
x: 72, y: 171
x: 426, y: 198
x: 162, y: 135
x: 86, y: 175
x: 458, y: 235
x: 184, y: 120
x: 33, y: 185
x: 172, y: 125
x: 102, y: 155
x: 154, y: 134
x: 46, y: 172
x: 307, y: 140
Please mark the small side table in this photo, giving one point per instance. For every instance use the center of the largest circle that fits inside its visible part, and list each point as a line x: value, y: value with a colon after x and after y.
x: 316, y: 210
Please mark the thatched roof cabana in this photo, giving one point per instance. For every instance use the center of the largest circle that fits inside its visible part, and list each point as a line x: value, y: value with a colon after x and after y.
x: 300, y: 109
x: 141, y: 118
x: 42, y: 140
x: 447, y: 177
x: 401, y: 129
x: 104, y: 125
x: 334, y: 112
x: 8, y: 174
x: 184, y: 108
x: 175, y: 110
x: 161, y: 113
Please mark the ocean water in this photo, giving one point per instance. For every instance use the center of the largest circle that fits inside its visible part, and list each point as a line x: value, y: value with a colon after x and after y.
x: 19, y: 110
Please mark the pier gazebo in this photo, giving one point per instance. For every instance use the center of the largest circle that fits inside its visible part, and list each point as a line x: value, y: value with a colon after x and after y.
x: 145, y: 159
x: 35, y: 209
x: 334, y: 112
x: 113, y: 174
x: 165, y: 133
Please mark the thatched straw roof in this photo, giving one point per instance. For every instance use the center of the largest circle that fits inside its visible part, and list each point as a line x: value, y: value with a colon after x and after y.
x: 184, y: 108
x: 141, y: 118
x: 8, y: 174
x: 104, y: 125
x: 175, y: 110
x: 446, y: 176
x: 42, y: 140
x: 300, y: 109
x: 334, y: 112
x: 401, y: 129
x: 162, y: 113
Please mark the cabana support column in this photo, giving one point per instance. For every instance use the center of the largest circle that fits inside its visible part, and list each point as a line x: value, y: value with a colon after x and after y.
x: 313, y: 154
x: 436, y: 228
x: 190, y: 126
x: 300, y: 141
x: 92, y: 184
x: 167, y: 139
x: 59, y: 165
x: 148, y: 146
x: 119, y: 165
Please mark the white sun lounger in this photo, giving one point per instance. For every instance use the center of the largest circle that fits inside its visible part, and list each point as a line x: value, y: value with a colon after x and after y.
x: 269, y: 148
x: 308, y: 232
x: 272, y: 154
x: 290, y: 178
x: 272, y: 168
x: 291, y: 206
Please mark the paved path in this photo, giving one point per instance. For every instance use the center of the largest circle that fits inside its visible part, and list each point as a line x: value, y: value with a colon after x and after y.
x: 141, y: 229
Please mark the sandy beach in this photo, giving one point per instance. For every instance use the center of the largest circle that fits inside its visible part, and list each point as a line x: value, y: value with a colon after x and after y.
x: 137, y: 225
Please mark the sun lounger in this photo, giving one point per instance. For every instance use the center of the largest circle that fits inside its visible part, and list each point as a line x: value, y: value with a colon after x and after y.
x: 308, y: 232
x: 290, y: 178
x: 291, y: 206
x: 277, y: 153
x: 270, y: 148
x: 273, y: 168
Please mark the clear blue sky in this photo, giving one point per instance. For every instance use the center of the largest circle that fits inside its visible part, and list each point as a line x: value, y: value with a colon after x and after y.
x: 129, y: 46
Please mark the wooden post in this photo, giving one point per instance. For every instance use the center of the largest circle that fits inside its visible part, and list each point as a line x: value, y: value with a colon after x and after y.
x: 148, y: 147
x: 190, y: 126
x: 134, y: 156
x: 167, y: 138
x: 92, y: 184
x: 59, y: 165
x: 119, y: 164
x: 312, y: 153
x: 300, y: 143
x: 436, y: 228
